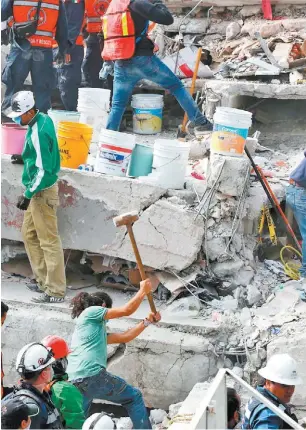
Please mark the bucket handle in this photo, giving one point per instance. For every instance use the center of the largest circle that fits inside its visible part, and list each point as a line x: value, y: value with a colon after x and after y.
x: 178, y: 156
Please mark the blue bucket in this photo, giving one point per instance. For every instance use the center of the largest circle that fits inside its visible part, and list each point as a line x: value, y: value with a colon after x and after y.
x: 141, y: 161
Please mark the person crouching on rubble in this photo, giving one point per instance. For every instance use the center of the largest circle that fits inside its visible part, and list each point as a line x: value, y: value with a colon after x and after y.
x: 281, y: 377
x: 296, y: 199
x: 66, y: 397
x: 41, y: 159
x: 88, y: 359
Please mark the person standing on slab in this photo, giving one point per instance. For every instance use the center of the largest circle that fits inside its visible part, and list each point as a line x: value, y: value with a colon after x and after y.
x: 125, y: 25
x: 88, y: 359
x: 296, y: 199
x: 41, y: 159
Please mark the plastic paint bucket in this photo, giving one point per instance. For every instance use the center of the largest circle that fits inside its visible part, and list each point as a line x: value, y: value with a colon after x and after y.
x: 231, y: 127
x: 114, y: 152
x: 74, y: 141
x: 141, y: 161
x: 94, y: 98
x: 170, y: 162
x: 147, y: 113
x: 96, y: 119
x: 63, y: 115
x: 13, y: 137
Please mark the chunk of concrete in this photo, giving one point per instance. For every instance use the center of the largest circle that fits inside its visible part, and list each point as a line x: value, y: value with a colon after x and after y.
x: 157, y: 416
x: 244, y: 276
x: 232, y: 30
x: 214, y: 247
x: 253, y: 295
x: 227, y: 268
x: 167, y: 235
x: 124, y: 423
x: 250, y: 10
x: 185, y: 307
x: 234, y: 174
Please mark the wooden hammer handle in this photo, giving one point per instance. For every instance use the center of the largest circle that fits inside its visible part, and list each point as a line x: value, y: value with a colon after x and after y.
x: 140, y: 265
x: 194, y: 78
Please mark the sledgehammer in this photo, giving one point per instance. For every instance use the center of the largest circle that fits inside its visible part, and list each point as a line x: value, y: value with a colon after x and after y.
x: 128, y: 220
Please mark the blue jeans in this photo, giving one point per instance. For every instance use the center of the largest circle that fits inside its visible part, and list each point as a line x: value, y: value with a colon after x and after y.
x: 106, y: 386
x: 296, y: 199
x: 126, y: 75
x: 70, y: 78
x: 37, y: 61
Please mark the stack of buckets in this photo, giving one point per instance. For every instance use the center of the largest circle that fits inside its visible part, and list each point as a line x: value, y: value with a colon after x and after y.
x: 93, y: 105
x: 63, y: 115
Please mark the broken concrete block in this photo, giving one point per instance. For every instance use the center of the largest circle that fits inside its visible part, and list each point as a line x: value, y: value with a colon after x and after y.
x: 232, y: 30
x: 294, y: 24
x: 214, y: 247
x: 185, y: 307
x: 157, y: 416
x: 124, y: 423
x: 174, y: 409
x: 227, y: 304
x: 233, y: 175
x: 227, y: 268
x: 270, y: 29
x: 244, y: 276
x: 253, y: 295
x: 281, y: 54
x: 238, y: 371
x: 250, y: 10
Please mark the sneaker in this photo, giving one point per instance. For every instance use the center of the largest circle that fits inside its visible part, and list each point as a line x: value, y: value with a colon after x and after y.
x: 45, y: 298
x: 203, y: 129
x: 34, y: 288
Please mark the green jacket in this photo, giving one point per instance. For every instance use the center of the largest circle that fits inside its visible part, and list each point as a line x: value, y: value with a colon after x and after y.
x: 40, y: 155
x: 68, y: 400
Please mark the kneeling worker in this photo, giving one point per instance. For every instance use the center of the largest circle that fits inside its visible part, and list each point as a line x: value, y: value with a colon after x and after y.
x: 41, y: 159
x: 66, y: 397
x: 133, y: 52
x: 281, y: 377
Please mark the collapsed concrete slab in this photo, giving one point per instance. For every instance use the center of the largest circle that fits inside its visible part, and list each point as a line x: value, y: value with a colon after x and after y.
x: 167, y: 235
x: 164, y: 363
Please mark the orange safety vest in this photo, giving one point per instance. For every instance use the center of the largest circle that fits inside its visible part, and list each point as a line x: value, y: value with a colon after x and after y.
x: 25, y: 10
x: 94, y: 10
x: 119, y: 32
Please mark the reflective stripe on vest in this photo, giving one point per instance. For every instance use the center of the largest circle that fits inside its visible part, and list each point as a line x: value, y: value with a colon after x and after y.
x: 94, y: 10
x: 24, y: 11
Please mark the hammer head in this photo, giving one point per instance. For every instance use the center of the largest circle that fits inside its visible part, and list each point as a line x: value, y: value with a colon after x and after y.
x: 126, y: 219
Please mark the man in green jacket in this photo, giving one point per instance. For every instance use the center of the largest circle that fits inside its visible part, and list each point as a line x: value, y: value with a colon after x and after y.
x: 41, y: 159
x: 67, y: 399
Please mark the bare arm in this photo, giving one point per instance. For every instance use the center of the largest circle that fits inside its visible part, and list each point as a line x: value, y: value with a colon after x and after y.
x: 132, y: 333
x: 132, y: 305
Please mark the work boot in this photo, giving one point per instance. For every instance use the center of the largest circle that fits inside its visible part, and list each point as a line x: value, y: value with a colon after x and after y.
x: 202, y: 130
x: 45, y: 298
x: 34, y: 287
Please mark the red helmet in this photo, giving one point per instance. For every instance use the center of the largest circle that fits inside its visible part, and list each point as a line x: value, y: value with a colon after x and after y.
x: 58, y: 345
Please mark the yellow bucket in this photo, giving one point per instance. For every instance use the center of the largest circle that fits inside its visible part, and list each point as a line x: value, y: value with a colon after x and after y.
x: 74, y: 142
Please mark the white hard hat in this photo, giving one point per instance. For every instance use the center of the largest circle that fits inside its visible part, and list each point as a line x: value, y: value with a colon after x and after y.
x: 281, y: 368
x: 21, y: 102
x: 100, y: 421
x: 33, y: 358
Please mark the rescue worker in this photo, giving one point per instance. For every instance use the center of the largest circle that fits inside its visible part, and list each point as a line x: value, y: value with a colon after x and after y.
x: 34, y: 365
x: 35, y: 25
x: 88, y: 359
x: 233, y: 408
x: 41, y: 159
x: 94, y: 10
x: 99, y: 421
x: 281, y: 377
x: 15, y: 414
x: 69, y: 69
x: 127, y: 44
x: 66, y: 397
x: 296, y: 199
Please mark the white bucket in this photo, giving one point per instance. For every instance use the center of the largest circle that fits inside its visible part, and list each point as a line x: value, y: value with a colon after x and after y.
x: 231, y: 127
x: 96, y: 119
x: 170, y: 159
x: 114, y: 153
x: 63, y: 115
x: 94, y: 98
x: 147, y: 113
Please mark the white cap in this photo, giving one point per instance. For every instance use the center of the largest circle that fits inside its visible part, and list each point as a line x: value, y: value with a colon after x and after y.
x: 103, y: 422
x: 33, y: 358
x: 281, y: 368
x: 21, y: 102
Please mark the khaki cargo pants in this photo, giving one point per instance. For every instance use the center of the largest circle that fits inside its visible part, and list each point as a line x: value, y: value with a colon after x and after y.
x: 43, y: 244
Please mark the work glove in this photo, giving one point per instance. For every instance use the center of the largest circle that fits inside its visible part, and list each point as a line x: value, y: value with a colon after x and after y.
x: 23, y: 203
x: 16, y: 159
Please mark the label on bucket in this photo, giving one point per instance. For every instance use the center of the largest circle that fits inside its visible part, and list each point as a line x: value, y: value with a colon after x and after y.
x: 112, y: 160
x: 147, y: 121
x: 228, y: 139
